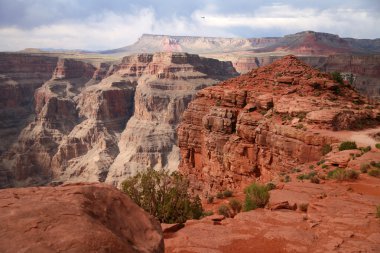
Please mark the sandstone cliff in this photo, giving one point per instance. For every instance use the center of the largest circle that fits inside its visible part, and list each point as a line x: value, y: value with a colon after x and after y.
x: 84, y: 129
x: 20, y: 76
x: 264, y: 122
x: 75, y: 218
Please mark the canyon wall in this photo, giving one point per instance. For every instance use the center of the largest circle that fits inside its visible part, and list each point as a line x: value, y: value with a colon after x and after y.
x: 20, y: 76
x: 104, y: 122
x: 263, y: 123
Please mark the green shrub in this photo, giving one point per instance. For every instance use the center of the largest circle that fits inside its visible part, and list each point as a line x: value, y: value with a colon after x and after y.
x: 307, y: 176
x: 207, y: 213
x: 365, y: 149
x: 164, y: 196
x: 311, y: 166
x: 347, y: 145
x: 378, y: 211
x: 377, y: 145
x: 210, y: 199
x: 324, y: 166
x: 343, y: 175
x: 364, y: 167
x: 321, y: 162
x: 303, y: 207
x: 256, y: 196
x: 287, y: 179
x: 326, y: 149
x: 271, y: 186
x: 225, y: 211
x: 220, y: 195
x: 375, y: 164
x: 374, y: 172
x: 336, y: 76
x: 235, y: 206
x: 227, y: 193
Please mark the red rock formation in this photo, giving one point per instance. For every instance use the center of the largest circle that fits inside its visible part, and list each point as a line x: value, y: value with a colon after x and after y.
x: 336, y: 220
x: 261, y: 123
x: 75, y: 218
x: 69, y: 68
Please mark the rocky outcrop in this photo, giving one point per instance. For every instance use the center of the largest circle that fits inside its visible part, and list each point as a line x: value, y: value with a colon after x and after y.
x: 263, y: 122
x: 103, y: 122
x: 339, y: 217
x: 75, y: 218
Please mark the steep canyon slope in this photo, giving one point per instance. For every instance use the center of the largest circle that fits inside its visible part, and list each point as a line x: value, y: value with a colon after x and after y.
x: 104, y: 122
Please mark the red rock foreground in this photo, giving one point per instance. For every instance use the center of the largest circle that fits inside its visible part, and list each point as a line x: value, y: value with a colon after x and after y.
x: 75, y: 218
x: 340, y: 218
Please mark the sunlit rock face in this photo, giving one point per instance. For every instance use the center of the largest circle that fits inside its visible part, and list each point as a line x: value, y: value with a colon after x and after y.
x: 262, y: 123
x: 103, y: 122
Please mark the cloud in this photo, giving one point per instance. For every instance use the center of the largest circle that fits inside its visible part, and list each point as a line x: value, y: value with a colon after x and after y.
x: 288, y: 19
x: 106, y: 30
x: 73, y: 25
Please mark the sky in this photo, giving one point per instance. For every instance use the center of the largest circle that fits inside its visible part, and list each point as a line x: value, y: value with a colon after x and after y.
x: 109, y: 24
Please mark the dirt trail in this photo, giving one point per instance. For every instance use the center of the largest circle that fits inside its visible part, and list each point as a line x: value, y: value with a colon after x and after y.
x: 362, y: 138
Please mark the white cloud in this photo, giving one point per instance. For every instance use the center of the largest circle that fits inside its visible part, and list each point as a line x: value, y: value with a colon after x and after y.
x: 109, y: 30
x: 289, y: 19
x: 103, y: 31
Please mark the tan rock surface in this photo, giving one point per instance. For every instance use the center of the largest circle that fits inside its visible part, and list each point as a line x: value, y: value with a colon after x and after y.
x: 75, y: 218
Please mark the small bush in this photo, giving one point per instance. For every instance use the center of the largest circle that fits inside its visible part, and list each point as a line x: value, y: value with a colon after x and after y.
x: 235, y: 206
x: 210, y: 199
x: 377, y: 145
x: 314, y: 180
x: 225, y: 211
x: 219, y: 195
x: 227, y: 193
x: 307, y: 176
x: 326, y: 149
x: 320, y: 162
x: 375, y: 164
x: 287, y: 179
x: 364, y: 167
x: 163, y: 195
x: 271, y: 186
x: 378, y: 211
x: 299, y: 126
x: 343, y: 175
x: 256, y: 196
x: 303, y: 207
x: 324, y: 166
x: 365, y: 149
x: 352, y: 174
x: 311, y: 167
x: 207, y: 213
x: 337, y: 77
x: 374, y: 172
x: 347, y: 145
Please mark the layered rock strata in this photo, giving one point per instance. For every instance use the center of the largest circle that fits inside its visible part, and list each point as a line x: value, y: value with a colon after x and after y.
x: 106, y: 122
x: 263, y: 122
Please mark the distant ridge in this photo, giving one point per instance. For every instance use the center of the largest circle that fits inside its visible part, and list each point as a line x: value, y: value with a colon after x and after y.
x: 306, y: 42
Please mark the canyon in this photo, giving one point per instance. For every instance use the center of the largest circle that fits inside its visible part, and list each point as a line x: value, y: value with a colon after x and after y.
x: 100, y: 122
x: 74, y: 125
